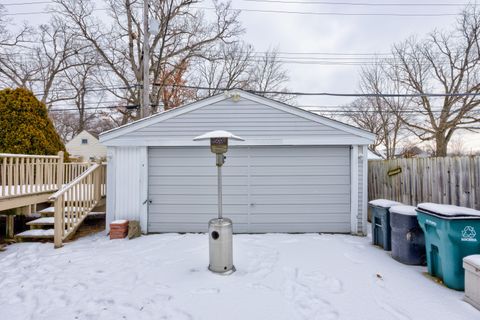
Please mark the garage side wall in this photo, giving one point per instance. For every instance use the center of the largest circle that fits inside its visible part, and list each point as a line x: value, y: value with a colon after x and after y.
x: 126, y: 181
x: 362, y: 190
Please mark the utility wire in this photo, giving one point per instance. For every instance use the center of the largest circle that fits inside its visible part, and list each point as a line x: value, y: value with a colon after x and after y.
x: 338, y: 13
x: 363, y: 4
x: 284, y: 12
x: 294, y: 93
x: 332, y: 94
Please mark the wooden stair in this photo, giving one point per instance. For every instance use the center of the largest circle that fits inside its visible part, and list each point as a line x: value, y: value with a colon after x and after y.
x: 43, y: 228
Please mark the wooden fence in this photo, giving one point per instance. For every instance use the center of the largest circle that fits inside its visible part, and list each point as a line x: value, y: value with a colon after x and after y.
x: 449, y: 180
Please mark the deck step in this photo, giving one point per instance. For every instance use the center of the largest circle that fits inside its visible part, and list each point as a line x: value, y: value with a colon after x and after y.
x: 50, y: 221
x: 45, y: 221
x: 36, y: 234
x: 50, y: 212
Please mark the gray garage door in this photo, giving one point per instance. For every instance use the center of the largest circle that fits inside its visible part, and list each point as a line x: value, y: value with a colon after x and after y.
x: 266, y: 189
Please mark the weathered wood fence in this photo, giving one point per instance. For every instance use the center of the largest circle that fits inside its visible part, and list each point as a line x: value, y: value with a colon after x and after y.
x: 449, y: 180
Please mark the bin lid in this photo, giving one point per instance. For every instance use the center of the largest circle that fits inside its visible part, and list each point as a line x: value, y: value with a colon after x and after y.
x: 473, y: 260
x: 405, y: 210
x: 448, y: 210
x: 384, y: 203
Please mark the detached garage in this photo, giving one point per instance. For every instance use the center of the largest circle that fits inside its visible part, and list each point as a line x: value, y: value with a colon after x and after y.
x: 295, y: 172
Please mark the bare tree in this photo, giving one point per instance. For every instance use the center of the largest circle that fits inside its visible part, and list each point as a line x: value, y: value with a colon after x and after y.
x: 269, y: 75
x: 184, y: 33
x: 380, y: 114
x: 228, y: 66
x: 446, y: 62
x: 237, y: 66
x: 15, y: 69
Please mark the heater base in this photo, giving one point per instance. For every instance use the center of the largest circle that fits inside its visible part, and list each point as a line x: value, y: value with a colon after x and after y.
x: 223, y: 273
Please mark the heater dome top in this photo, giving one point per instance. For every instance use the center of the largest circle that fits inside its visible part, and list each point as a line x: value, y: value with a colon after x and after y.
x: 218, y: 134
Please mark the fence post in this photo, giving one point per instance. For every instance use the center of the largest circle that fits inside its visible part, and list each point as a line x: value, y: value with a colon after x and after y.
x: 97, y: 182
x: 59, y: 225
x: 60, y: 170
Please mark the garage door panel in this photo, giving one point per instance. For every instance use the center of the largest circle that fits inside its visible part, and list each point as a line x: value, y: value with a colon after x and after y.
x: 303, y: 151
x: 191, y: 227
x: 299, y: 209
x: 299, y: 180
x: 265, y: 189
x: 193, y: 162
x: 197, y: 190
x: 194, y: 218
x: 196, y: 171
x: 299, y: 227
x: 298, y: 161
x: 294, y: 218
x: 299, y: 199
x: 300, y: 189
x: 201, y: 199
x: 297, y: 171
x: 159, y: 209
x: 196, y: 181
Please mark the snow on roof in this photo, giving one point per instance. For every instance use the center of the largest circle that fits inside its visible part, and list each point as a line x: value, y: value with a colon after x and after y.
x: 448, y: 210
x: 384, y: 203
x: 405, y: 210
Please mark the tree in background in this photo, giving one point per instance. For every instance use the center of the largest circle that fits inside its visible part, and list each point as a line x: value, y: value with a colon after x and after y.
x: 445, y: 62
x: 183, y: 33
x: 238, y: 66
x: 25, y: 126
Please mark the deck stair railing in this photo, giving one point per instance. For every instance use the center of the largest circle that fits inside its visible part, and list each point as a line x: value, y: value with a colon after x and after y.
x: 74, y: 201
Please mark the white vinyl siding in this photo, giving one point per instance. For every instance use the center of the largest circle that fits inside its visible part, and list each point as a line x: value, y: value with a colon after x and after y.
x: 245, y: 118
x: 126, y: 189
x: 266, y: 189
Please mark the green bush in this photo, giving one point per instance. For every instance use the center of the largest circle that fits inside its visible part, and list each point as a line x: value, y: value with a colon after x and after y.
x: 25, y: 127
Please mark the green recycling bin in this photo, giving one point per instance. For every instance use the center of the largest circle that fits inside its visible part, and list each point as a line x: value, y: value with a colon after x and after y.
x: 381, y: 230
x: 451, y: 233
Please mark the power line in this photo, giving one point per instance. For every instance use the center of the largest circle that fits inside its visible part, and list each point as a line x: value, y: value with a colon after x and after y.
x: 337, y: 13
x: 363, y: 4
x: 391, y: 14
x: 333, y: 94
x: 24, y: 3
x: 294, y: 93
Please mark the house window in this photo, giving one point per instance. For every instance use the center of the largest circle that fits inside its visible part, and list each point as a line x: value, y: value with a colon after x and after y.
x: 84, y: 141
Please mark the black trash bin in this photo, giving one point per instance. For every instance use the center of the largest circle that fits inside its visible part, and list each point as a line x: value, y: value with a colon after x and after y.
x: 381, y: 232
x: 408, y: 240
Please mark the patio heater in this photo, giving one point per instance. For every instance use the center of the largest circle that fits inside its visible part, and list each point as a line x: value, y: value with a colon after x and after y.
x: 220, y: 229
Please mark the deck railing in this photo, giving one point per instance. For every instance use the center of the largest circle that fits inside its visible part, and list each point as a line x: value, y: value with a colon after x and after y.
x: 22, y: 174
x: 75, y: 201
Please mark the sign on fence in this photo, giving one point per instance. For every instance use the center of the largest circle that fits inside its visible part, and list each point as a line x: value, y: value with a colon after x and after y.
x: 449, y: 180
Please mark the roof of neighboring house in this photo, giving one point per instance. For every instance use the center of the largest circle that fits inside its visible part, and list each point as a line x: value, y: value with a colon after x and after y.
x: 159, y: 117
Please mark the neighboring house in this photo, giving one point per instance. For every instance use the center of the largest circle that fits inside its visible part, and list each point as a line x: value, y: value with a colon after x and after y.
x: 296, y: 171
x: 86, y: 147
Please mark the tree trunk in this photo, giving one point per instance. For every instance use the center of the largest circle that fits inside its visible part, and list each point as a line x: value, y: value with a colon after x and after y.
x: 441, y: 145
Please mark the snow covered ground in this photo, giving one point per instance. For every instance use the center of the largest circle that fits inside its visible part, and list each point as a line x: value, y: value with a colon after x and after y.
x: 279, y: 276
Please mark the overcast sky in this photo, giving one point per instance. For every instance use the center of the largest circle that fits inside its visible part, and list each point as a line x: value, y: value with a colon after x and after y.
x: 326, y: 36
x: 331, y: 34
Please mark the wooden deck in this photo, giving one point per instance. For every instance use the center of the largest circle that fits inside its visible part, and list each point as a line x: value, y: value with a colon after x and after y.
x: 74, y: 189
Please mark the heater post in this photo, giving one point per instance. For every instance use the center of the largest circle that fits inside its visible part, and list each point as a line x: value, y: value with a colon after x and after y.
x: 220, y: 204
